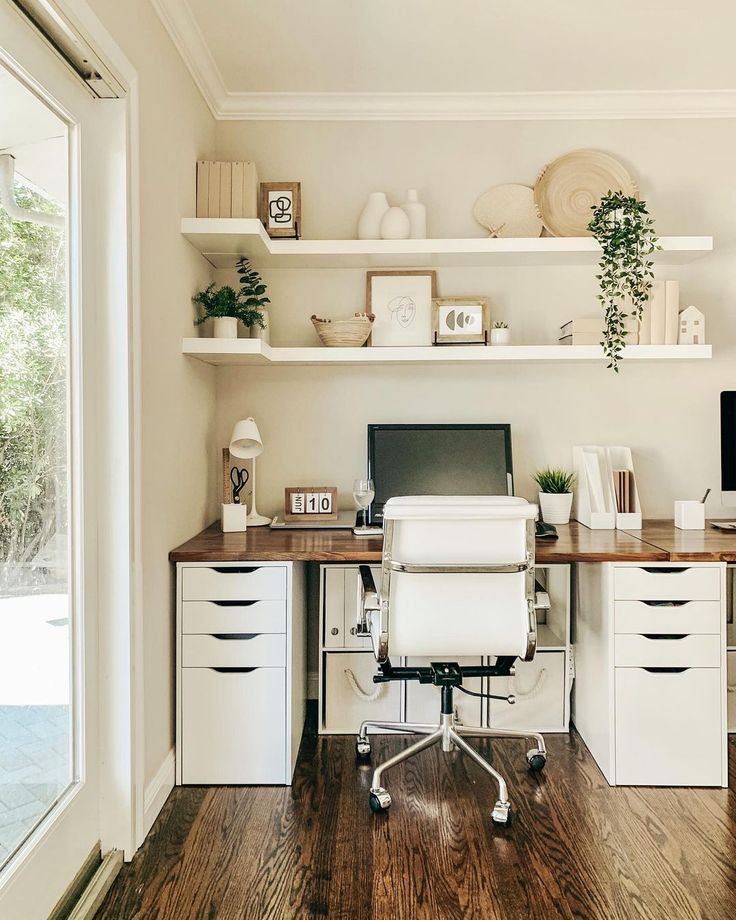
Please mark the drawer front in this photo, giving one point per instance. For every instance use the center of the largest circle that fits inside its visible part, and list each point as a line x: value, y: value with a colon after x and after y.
x: 539, y: 686
x: 233, y: 726
x: 234, y: 651
x: 668, y: 617
x: 423, y: 700
x: 671, y: 583
x: 237, y: 583
x: 668, y: 727
x: 344, y: 708
x: 731, y: 695
x: 232, y: 617
x: 685, y: 652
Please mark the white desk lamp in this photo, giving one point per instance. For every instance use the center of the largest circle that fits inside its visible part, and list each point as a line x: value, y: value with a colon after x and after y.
x: 246, y: 444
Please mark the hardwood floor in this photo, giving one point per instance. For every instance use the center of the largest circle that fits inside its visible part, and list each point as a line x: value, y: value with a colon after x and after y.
x: 577, y: 848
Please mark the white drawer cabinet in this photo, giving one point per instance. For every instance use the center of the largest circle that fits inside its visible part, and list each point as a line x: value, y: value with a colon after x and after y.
x: 241, y: 672
x: 650, y: 656
x: 668, y: 727
x: 731, y: 691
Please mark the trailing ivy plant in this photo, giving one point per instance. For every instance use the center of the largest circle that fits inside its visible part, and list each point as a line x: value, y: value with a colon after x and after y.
x: 244, y: 304
x: 625, y: 231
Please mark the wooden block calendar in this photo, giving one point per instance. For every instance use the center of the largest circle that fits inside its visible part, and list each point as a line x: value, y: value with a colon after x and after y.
x: 310, y: 504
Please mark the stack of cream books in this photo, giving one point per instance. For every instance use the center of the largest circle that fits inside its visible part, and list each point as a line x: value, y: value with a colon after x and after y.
x: 658, y: 326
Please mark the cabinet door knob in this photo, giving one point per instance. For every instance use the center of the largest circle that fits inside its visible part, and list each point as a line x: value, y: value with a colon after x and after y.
x: 334, y: 630
x: 352, y: 630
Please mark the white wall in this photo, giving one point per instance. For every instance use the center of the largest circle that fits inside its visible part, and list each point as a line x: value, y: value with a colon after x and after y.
x: 313, y: 419
x: 178, y: 496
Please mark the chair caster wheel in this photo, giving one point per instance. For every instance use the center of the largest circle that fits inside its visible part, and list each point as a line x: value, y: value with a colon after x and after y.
x: 536, y: 760
x: 362, y: 749
x: 379, y: 800
x: 501, y: 814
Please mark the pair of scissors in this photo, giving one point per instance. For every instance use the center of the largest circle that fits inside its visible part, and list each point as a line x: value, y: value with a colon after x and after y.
x: 238, y: 478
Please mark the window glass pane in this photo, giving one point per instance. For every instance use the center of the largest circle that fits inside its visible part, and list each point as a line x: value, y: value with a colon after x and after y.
x: 36, y: 763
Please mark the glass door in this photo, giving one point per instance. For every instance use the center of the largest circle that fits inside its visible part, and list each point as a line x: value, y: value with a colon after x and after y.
x: 50, y: 303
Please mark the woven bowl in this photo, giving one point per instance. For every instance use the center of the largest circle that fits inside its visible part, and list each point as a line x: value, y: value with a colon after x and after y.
x: 343, y: 333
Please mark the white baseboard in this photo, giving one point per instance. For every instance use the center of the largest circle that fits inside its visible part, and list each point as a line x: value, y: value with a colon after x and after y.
x: 312, y: 685
x: 158, y: 790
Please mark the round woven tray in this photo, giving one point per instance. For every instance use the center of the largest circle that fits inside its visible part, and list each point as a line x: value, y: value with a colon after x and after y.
x: 572, y: 185
x: 508, y: 210
x: 343, y: 333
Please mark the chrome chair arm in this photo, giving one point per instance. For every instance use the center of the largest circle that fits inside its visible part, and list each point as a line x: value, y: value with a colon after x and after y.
x: 369, y: 601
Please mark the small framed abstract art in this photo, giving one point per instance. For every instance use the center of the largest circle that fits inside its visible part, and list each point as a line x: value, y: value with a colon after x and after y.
x: 281, y: 209
x: 460, y: 320
x: 401, y: 304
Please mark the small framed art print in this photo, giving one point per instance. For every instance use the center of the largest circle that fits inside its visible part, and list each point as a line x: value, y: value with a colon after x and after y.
x: 401, y: 304
x: 280, y: 209
x: 460, y: 320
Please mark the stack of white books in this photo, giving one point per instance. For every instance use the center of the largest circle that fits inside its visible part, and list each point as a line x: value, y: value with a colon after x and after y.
x: 659, y: 319
x: 588, y: 330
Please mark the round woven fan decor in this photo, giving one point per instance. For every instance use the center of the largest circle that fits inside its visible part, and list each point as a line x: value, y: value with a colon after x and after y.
x: 572, y: 185
x: 508, y: 210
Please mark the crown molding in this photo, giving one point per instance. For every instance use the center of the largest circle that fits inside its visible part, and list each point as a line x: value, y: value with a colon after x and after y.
x: 188, y: 40
x: 181, y: 25
x: 645, y: 104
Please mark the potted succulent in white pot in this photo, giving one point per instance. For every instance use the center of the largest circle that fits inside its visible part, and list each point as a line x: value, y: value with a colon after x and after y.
x: 555, y: 494
x: 227, y: 306
x: 500, y: 333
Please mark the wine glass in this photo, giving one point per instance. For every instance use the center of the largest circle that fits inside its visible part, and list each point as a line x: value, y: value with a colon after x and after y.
x: 363, y: 494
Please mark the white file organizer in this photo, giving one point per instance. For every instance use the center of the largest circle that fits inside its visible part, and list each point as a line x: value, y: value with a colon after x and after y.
x: 595, y: 500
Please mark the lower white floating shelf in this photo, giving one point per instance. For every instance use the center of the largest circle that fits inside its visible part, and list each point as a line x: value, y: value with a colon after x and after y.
x: 257, y: 352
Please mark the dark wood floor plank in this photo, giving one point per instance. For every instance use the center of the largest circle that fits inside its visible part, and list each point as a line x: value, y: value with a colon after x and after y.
x: 577, y: 850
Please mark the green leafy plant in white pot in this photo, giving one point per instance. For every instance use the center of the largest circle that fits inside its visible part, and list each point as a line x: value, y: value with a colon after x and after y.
x: 555, y: 494
x: 227, y: 307
x: 500, y: 333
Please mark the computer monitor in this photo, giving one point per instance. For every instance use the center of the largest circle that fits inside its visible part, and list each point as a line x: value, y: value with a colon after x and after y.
x: 728, y: 447
x: 438, y: 460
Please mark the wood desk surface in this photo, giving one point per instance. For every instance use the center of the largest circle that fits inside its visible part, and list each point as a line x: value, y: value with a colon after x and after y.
x: 260, y: 544
x: 709, y: 545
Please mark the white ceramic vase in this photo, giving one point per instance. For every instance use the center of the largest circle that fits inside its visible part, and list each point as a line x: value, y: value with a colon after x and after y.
x: 369, y: 223
x: 417, y: 214
x: 555, y: 507
x: 264, y: 334
x: 395, y: 225
x: 500, y: 336
x: 226, y: 327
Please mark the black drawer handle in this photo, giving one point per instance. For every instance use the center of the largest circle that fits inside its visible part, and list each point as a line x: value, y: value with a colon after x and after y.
x: 666, y: 603
x: 236, y: 570
x: 665, y: 670
x: 227, y: 636
x: 234, y: 603
x: 233, y: 670
x: 669, y: 570
x: 665, y: 635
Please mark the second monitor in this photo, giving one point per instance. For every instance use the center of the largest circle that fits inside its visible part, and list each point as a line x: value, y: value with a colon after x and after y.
x: 438, y: 460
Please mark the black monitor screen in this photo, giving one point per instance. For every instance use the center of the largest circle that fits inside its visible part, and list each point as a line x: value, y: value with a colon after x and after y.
x: 728, y: 441
x: 438, y: 460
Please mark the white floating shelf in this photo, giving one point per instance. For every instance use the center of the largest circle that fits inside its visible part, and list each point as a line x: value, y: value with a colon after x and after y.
x: 256, y: 352
x: 222, y: 240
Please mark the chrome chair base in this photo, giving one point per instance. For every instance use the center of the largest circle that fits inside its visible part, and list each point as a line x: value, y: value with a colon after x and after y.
x: 450, y: 734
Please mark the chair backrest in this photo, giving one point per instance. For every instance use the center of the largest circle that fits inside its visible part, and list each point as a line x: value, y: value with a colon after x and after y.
x: 457, y: 577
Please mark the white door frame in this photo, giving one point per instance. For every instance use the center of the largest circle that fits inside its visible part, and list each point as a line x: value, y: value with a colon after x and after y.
x: 120, y: 680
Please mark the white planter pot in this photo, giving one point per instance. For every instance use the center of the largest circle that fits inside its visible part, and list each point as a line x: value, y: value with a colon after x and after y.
x: 555, y: 507
x: 500, y: 336
x: 264, y: 334
x: 369, y: 223
x: 395, y: 225
x: 226, y: 327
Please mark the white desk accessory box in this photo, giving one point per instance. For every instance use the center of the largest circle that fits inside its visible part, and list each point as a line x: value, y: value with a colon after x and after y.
x: 690, y: 515
x: 234, y: 515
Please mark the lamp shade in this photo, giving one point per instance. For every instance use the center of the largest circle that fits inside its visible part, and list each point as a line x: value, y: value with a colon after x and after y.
x: 246, y: 442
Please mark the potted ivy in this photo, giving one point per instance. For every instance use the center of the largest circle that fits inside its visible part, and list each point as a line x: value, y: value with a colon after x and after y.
x: 555, y: 494
x: 622, y: 226
x: 227, y: 307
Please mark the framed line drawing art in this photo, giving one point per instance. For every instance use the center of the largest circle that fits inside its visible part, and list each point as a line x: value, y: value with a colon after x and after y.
x: 460, y: 320
x: 280, y: 209
x: 401, y: 304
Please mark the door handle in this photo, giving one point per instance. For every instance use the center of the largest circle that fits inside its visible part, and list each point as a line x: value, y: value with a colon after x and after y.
x: 233, y: 670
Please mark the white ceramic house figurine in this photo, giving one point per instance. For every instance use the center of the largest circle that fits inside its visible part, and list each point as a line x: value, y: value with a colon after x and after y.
x: 691, y: 329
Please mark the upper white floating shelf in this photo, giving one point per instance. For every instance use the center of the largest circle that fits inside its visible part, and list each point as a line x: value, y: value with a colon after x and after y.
x: 221, y: 240
x: 255, y: 351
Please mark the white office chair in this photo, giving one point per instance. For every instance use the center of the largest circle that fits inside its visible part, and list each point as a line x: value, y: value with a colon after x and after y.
x: 457, y: 580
